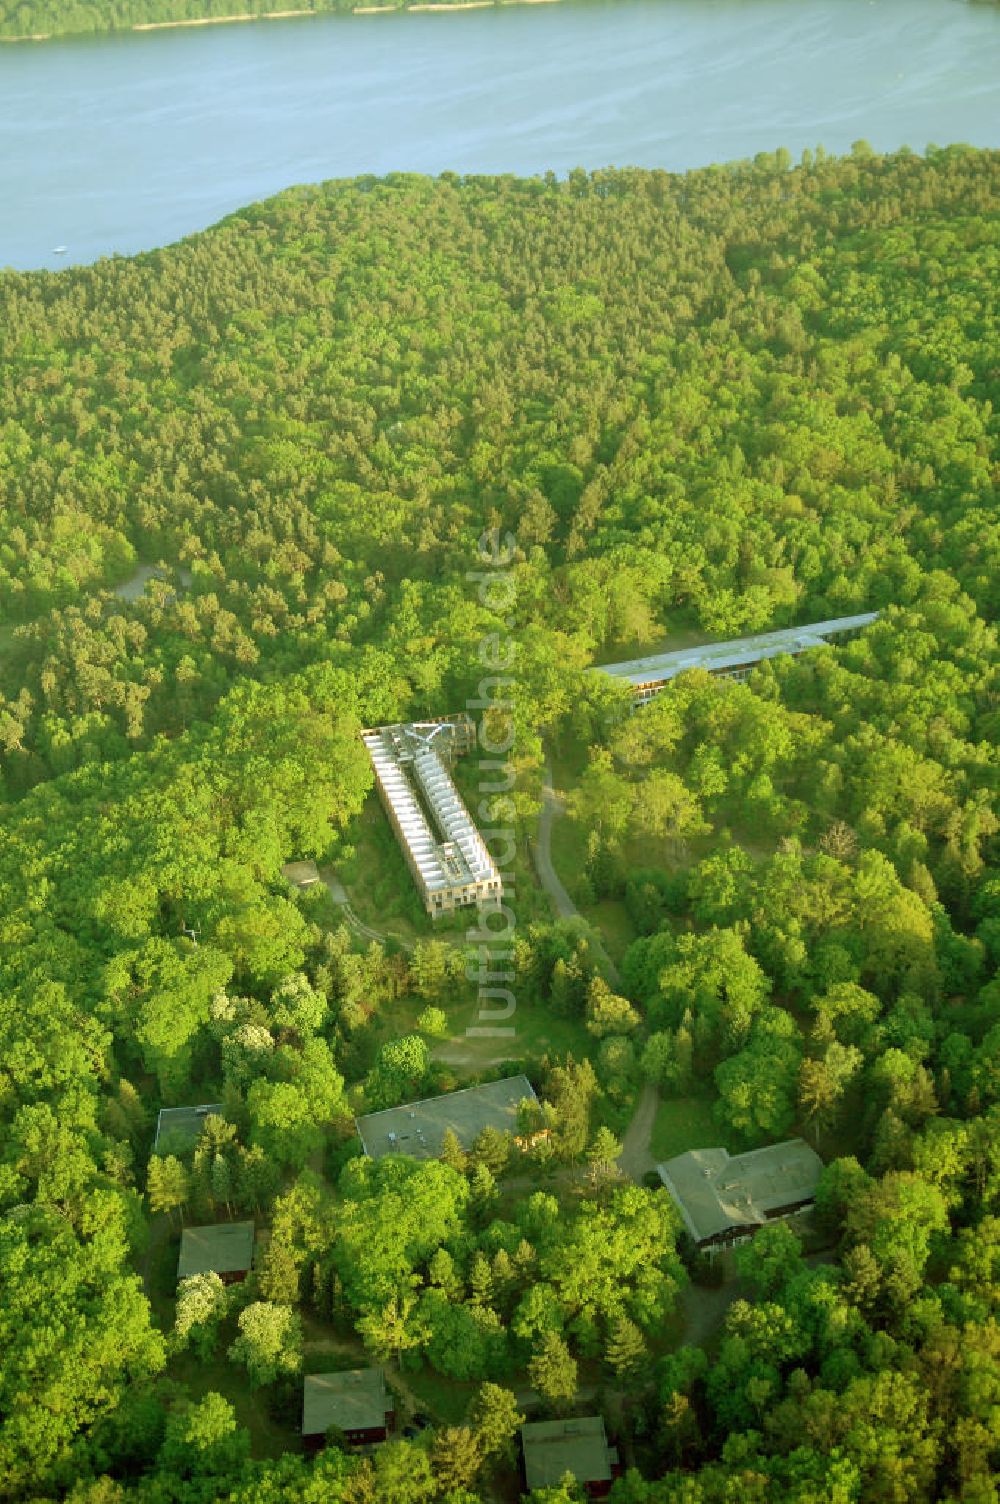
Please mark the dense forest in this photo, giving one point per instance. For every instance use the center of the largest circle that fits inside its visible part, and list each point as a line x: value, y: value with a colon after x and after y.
x: 700, y: 406
x: 41, y: 19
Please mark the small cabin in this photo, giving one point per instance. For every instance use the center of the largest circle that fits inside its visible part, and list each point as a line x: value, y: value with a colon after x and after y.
x: 223, y: 1248
x: 355, y: 1401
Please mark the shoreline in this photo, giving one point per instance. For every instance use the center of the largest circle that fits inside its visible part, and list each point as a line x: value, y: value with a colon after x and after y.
x: 265, y: 15
x: 279, y: 15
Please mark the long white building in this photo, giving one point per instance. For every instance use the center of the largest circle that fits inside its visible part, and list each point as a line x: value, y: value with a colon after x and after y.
x: 449, y: 860
x: 730, y: 660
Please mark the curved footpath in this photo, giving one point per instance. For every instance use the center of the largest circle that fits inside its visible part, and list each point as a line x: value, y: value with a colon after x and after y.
x: 338, y: 893
x: 541, y: 850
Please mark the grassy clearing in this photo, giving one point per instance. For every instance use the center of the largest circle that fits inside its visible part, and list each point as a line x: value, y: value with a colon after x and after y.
x: 443, y: 1399
x: 568, y: 758
x: 683, y: 1123
x: 269, y: 1437
x: 569, y: 850
x: 536, y: 1033
x: 611, y: 918
x: 377, y: 878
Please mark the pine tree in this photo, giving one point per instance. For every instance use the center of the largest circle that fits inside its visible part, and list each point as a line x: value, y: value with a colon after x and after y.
x: 561, y: 990
x: 504, y: 1277
x: 131, y: 1108
x: 483, y: 1189
x: 626, y: 1351
x: 279, y: 1273
x: 553, y: 1372
x: 455, y: 1457
x: 493, y: 1149
x: 481, y: 1280
x: 442, y: 1272
x: 387, y: 1333
x: 256, y: 1179
x: 494, y: 1417
x: 221, y: 1179
x: 525, y: 1259
x: 452, y: 1152
x: 167, y: 1185
x: 603, y: 1156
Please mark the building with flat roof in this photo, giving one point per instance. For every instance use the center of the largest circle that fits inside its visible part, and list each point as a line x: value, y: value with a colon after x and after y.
x: 179, y: 1128
x: 724, y: 1198
x: 356, y: 1402
x: 447, y: 857
x: 418, y: 1128
x: 552, y: 1448
x: 730, y: 660
x: 223, y: 1248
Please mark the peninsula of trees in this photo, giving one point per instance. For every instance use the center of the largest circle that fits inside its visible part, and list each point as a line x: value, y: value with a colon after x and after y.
x: 243, y: 484
x: 38, y: 20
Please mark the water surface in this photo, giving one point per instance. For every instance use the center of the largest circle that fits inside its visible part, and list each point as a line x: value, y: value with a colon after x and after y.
x: 125, y: 142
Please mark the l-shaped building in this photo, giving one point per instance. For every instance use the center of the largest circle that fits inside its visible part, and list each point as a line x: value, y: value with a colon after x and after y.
x: 724, y: 1199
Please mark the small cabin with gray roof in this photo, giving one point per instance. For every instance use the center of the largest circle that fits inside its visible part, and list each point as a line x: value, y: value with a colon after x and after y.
x: 356, y: 1402
x: 552, y: 1448
x: 179, y: 1128
x: 222, y: 1248
x: 724, y: 1198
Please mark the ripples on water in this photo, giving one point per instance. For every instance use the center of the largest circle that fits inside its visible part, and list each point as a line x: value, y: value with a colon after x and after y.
x: 126, y: 142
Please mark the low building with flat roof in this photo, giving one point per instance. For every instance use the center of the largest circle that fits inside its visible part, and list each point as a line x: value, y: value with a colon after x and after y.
x: 724, y: 1198
x: 179, y: 1128
x: 223, y: 1248
x: 356, y: 1402
x: 418, y: 1128
x: 730, y: 660
x: 552, y: 1448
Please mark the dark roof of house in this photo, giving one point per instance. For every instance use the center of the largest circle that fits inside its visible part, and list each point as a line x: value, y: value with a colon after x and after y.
x: 355, y: 1400
x: 221, y: 1248
x: 716, y: 1192
x: 553, y: 1448
x: 418, y: 1128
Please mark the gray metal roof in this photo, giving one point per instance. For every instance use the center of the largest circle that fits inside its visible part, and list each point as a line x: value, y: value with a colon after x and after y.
x: 180, y: 1127
x: 418, y: 1128
x: 716, y: 657
x: 716, y: 1192
x: 356, y: 1400
x: 553, y: 1448
x: 221, y: 1248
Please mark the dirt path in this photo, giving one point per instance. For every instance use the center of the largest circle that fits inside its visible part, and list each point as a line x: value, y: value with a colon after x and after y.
x: 704, y: 1309
x: 453, y: 1053
x: 636, y: 1156
x: 552, y: 807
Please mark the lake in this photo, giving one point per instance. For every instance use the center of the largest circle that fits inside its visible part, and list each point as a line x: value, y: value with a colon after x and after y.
x: 126, y: 142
